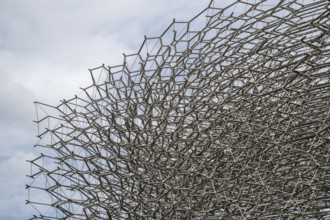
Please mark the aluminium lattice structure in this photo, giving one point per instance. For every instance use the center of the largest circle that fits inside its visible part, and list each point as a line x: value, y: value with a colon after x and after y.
x: 225, y: 116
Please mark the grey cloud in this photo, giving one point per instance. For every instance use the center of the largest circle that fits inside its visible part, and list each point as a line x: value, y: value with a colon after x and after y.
x: 15, y: 115
x: 12, y: 188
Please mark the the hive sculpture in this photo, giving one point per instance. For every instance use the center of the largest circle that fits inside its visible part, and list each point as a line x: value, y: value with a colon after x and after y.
x: 226, y: 116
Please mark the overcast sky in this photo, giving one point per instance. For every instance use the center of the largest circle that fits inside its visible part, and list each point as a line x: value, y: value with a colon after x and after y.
x: 46, y: 48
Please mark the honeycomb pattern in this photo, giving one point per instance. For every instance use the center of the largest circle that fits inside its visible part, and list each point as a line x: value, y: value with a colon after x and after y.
x: 225, y: 116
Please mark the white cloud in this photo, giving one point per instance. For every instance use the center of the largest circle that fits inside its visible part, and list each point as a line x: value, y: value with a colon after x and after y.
x: 53, y: 43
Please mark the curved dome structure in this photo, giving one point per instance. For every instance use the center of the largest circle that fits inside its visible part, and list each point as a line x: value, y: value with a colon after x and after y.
x: 225, y: 116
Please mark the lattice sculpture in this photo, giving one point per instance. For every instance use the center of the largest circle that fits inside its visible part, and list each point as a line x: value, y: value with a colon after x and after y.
x: 226, y: 116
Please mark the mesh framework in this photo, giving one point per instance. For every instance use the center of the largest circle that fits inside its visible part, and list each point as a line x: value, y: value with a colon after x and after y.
x: 225, y: 116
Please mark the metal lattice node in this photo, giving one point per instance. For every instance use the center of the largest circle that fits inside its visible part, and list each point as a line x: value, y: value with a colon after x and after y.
x: 226, y: 116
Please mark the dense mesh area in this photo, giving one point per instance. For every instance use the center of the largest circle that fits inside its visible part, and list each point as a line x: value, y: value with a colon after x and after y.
x: 226, y: 116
